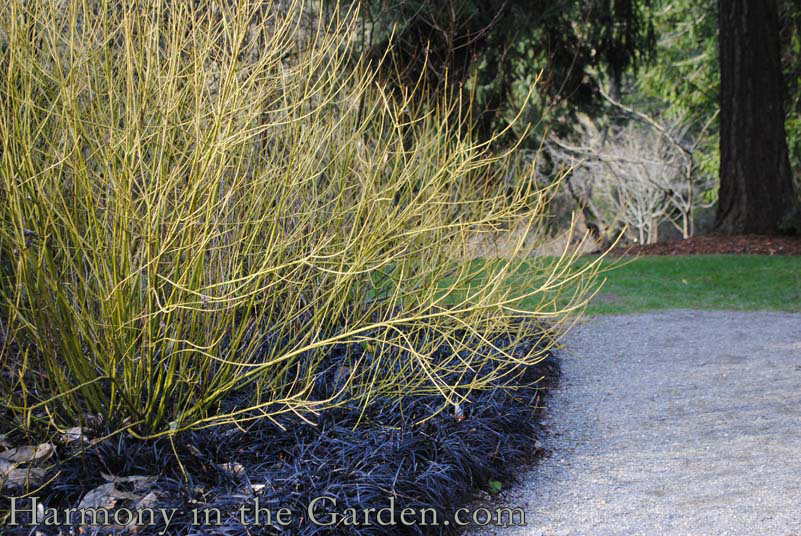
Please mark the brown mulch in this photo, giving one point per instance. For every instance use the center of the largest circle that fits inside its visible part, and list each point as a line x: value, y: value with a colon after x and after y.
x: 717, y: 244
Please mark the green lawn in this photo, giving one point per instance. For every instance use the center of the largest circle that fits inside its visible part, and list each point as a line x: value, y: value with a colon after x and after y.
x: 745, y: 282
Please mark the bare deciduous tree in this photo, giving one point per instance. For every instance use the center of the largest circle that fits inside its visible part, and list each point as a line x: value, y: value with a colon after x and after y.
x: 634, y: 176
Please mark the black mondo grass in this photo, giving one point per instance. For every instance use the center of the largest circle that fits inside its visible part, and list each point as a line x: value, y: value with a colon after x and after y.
x: 371, y: 460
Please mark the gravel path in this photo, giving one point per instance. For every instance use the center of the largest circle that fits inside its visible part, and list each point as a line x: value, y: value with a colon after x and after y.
x: 672, y: 423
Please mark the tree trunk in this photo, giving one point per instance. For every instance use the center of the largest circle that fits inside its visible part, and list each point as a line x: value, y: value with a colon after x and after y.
x: 756, y: 188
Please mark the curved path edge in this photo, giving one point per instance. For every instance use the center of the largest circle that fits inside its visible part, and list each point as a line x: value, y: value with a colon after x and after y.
x: 671, y: 423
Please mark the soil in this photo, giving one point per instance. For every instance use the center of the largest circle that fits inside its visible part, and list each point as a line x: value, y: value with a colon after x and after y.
x: 718, y: 244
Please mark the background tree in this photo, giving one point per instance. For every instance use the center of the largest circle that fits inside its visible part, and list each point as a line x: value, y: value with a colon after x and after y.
x: 657, y: 57
x: 790, y: 34
x: 756, y: 189
x: 497, y: 48
x: 682, y: 82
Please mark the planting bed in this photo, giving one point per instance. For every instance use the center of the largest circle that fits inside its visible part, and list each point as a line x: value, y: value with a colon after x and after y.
x: 718, y: 244
x: 390, y: 458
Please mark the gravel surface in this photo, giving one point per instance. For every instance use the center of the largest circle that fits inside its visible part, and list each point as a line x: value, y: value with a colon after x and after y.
x: 671, y: 423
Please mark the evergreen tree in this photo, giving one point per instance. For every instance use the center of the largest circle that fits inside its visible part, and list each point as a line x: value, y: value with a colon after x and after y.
x: 756, y: 190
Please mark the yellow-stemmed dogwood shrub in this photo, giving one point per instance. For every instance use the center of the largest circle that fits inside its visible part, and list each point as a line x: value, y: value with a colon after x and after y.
x: 200, y: 200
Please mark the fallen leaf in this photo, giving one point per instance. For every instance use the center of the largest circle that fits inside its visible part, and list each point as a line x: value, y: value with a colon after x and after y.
x: 237, y: 470
x: 105, y: 496
x: 138, y: 481
x: 233, y: 469
x: 28, y: 453
x: 148, y: 501
x: 13, y: 476
x: 74, y: 434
